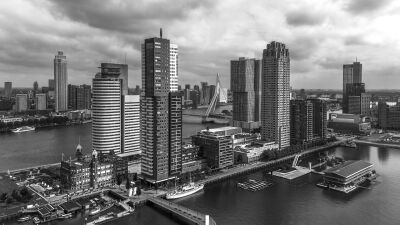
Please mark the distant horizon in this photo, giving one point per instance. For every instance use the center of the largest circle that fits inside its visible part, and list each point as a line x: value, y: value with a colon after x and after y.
x: 320, y: 41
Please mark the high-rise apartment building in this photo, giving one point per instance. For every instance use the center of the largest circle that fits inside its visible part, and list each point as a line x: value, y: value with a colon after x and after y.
x: 173, y: 64
x: 161, y: 113
x: 245, y: 86
x: 21, y: 102
x: 301, y: 121
x: 7, y: 89
x: 320, y: 121
x: 52, y: 85
x: 61, y: 81
x: 131, y: 125
x: 41, y: 101
x: 275, y: 105
x: 79, y: 97
x: 154, y: 109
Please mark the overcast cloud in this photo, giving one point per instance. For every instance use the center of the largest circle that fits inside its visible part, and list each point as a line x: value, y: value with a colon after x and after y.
x: 321, y: 35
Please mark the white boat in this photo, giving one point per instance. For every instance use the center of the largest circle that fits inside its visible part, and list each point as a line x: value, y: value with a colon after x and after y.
x: 184, y: 191
x: 95, y: 211
x: 23, y: 219
x: 23, y: 129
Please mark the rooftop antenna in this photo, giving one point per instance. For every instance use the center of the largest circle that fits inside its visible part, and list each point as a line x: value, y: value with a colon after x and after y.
x: 356, y: 58
x: 160, y: 32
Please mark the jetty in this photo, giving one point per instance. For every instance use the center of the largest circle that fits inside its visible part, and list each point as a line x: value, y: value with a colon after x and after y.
x: 182, y: 213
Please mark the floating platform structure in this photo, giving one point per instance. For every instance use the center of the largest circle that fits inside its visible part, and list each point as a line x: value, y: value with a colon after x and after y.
x: 348, y: 176
x: 254, y: 185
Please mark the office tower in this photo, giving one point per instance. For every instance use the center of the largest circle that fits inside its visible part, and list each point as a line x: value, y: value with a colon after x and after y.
x: 352, y: 74
x: 7, y: 89
x: 319, y: 118
x: 21, y: 102
x: 353, y: 98
x: 245, y: 86
x: 187, y: 86
x: 175, y: 133
x: 301, y: 121
x: 205, y: 93
x: 275, y: 106
x: 161, y: 114
x: 388, y: 116
x: 108, y: 86
x: 41, y: 101
x: 52, y: 85
x: 131, y: 124
x: 173, y: 70
x: 137, y: 90
x: 61, y: 81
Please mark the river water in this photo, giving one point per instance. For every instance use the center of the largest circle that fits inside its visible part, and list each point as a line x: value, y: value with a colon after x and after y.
x: 286, y: 202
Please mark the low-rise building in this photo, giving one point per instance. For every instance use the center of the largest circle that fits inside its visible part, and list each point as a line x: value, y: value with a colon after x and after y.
x: 216, y: 146
x: 252, y: 152
x: 349, y: 123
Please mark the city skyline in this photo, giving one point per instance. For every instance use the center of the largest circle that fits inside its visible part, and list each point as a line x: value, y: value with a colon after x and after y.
x: 355, y: 29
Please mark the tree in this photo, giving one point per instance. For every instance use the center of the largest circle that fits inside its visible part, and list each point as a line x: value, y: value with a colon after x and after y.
x: 138, y: 191
x: 9, y: 200
x: 128, y: 184
x: 119, y: 180
x: 3, y: 196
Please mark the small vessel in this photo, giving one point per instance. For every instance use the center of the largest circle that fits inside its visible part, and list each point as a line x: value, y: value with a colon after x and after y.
x: 36, y: 220
x: 23, y: 219
x: 23, y: 129
x: 184, y: 191
x: 95, y: 211
x: 66, y: 216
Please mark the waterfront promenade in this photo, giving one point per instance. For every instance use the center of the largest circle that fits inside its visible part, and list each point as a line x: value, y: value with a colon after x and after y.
x: 228, y: 173
x: 377, y: 144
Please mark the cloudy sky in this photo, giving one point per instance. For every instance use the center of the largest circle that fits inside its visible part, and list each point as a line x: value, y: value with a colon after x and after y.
x: 320, y: 34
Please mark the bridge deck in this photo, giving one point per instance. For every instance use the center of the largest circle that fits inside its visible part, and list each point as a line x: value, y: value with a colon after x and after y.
x: 187, y: 214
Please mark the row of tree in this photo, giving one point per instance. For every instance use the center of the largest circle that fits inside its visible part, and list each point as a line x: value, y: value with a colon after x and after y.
x: 35, y: 122
x: 20, y: 195
x: 294, y: 149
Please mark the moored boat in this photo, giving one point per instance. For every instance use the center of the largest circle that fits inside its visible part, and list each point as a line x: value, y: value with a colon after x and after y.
x: 184, y: 191
x: 23, y: 219
x: 23, y: 129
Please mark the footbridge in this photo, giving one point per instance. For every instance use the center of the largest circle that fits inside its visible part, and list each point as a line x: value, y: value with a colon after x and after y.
x: 182, y: 213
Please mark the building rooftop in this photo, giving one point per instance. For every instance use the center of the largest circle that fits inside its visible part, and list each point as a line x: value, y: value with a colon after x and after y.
x: 219, y: 129
x: 348, y: 168
x: 70, y: 206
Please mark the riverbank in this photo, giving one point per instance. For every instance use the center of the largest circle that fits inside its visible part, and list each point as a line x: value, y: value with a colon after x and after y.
x: 377, y: 144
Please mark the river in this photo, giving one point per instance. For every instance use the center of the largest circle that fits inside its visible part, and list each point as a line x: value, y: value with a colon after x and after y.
x: 286, y: 202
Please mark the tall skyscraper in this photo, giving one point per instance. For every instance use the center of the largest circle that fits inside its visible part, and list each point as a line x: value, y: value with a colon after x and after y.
x: 245, y: 86
x: 79, y: 97
x: 131, y: 124
x: 352, y: 74
x: 7, y: 89
x: 275, y: 105
x: 173, y: 64
x: 161, y: 116
x: 61, y: 81
x: 107, y: 108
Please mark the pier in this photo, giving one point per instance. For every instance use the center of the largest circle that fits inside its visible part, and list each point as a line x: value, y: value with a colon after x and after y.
x: 182, y: 213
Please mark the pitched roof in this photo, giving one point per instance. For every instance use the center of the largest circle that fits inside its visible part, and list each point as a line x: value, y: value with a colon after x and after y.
x: 348, y: 168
